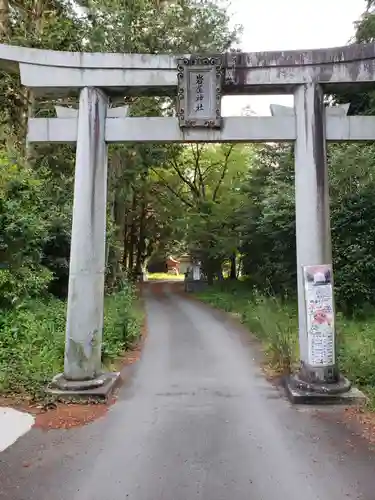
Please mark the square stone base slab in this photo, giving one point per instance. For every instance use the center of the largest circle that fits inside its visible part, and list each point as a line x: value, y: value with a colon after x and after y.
x: 296, y: 396
x: 97, y: 390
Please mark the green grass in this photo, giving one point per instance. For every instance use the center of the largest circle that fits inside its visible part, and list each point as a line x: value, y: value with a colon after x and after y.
x: 32, y: 341
x: 275, y: 324
x: 357, y: 353
x: 165, y: 276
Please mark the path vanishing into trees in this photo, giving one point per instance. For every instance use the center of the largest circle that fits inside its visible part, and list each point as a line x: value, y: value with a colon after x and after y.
x: 197, y: 420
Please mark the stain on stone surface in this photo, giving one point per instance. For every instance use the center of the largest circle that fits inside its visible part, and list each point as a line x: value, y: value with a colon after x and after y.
x: 76, y: 353
x: 354, y: 69
x: 79, y: 356
x: 336, y: 55
x: 94, y: 144
x: 322, y: 65
x: 91, y: 343
x: 319, y: 148
x: 324, y: 73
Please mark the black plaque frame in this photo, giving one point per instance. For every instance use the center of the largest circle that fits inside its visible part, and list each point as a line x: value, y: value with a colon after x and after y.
x: 212, y: 64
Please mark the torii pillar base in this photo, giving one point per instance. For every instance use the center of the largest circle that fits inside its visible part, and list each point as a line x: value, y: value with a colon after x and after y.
x: 99, y: 389
x: 340, y: 393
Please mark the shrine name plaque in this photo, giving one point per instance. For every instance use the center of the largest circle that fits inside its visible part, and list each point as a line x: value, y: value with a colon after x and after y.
x: 199, y: 91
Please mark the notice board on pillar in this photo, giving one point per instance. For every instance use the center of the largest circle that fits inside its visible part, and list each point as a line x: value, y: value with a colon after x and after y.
x: 319, y: 315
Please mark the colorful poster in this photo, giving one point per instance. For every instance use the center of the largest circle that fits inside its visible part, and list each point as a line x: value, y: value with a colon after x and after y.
x: 319, y: 315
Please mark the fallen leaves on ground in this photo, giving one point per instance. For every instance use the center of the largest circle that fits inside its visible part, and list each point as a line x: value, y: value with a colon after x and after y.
x: 68, y: 416
x: 366, y: 420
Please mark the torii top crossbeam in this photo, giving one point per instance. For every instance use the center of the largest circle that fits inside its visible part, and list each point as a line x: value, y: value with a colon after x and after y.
x: 47, y: 71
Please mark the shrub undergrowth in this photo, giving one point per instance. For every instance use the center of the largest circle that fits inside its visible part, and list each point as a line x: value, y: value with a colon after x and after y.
x: 275, y: 323
x: 32, y: 340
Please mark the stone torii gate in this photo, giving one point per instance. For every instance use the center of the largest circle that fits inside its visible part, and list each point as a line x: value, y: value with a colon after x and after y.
x: 198, y: 83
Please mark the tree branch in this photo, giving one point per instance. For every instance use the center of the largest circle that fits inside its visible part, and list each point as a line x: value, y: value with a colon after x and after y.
x: 175, y: 193
x: 223, y: 172
x: 197, y: 157
x: 195, y: 167
x: 183, y: 178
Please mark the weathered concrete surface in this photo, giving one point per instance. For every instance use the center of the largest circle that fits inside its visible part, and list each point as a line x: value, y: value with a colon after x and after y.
x: 330, y: 111
x: 99, y: 389
x: 198, y: 421
x: 166, y: 129
x: 279, y: 71
x: 313, y: 232
x: 69, y: 113
x: 56, y: 72
x: 84, y: 324
x: 234, y: 129
x: 349, y: 395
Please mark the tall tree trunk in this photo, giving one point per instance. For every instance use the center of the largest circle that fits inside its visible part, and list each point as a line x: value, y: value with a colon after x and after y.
x: 115, y: 250
x: 210, y: 277
x: 141, y: 238
x: 210, y: 270
x: 149, y: 250
x: 4, y: 21
x: 117, y: 212
x: 233, y: 267
x: 133, y: 233
x: 125, y: 255
x: 131, y: 249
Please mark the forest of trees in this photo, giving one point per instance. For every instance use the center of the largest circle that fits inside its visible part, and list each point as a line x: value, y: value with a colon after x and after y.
x: 148, y: 189
x: 230, y: 205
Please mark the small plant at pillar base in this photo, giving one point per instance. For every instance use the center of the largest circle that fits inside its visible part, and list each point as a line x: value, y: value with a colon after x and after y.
x: 275, y: 324
x: 122, y: 323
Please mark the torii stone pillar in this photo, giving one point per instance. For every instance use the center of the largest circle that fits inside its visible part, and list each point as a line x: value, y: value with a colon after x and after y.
x: 311, y: 202
x: 313, y: 233
x: 314, y: 381
x: 82, y: 362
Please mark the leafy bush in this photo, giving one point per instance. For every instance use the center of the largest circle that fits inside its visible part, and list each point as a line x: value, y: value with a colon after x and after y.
x: 31, y: 346
x: 24, y: 281
x: 23, y: 230
x: 32, y: 340
x: 122, y: 323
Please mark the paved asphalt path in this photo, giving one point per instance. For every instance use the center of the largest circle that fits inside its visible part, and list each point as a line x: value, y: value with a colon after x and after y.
x: 197, y: 421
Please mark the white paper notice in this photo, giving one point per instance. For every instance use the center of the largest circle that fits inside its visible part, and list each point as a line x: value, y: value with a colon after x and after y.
x: 196, y: 273
x: 320, y: 316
